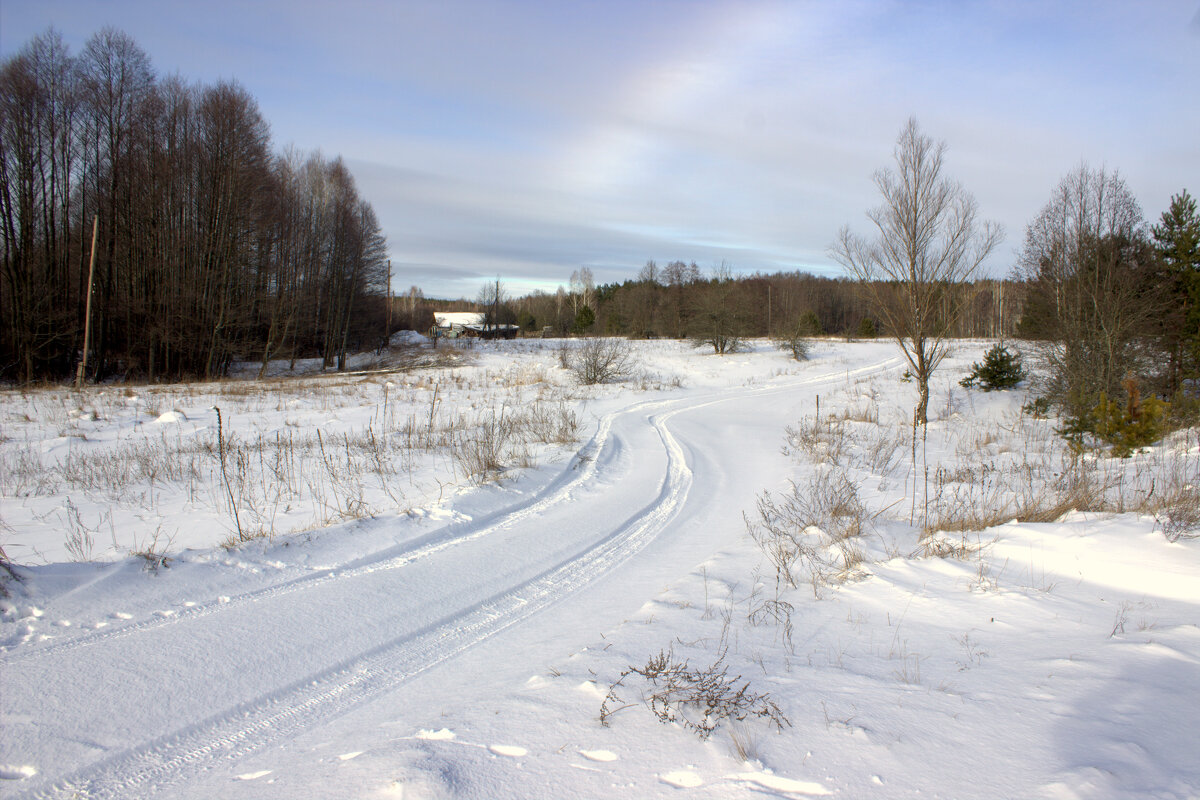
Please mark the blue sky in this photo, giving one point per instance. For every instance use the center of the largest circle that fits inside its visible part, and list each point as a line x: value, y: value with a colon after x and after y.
x: 527, y: 139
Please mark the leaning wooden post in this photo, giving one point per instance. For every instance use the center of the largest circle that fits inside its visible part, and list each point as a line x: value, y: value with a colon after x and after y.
x: 387, y: 334
x: 87, y: 314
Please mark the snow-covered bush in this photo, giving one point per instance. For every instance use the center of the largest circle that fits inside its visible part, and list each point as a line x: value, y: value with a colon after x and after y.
x: 814, y: 526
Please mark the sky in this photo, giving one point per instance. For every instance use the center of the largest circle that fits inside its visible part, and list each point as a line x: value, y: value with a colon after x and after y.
x: 525, y: 140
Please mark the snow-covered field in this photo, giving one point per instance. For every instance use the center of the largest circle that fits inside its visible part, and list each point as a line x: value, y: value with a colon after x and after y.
x: 434, y: 582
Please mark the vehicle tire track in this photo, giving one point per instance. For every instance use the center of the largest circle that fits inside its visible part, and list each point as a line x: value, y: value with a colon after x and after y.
x: 582, y: 469
x: 280, y: 715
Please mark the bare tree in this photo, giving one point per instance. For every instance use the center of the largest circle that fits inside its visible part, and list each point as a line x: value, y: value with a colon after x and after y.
x: 116, y: 83
x: 38, y: 104
x: 719, y: 319
x: 583, y: 285
x: 493, y: 298
x: 927, y: 240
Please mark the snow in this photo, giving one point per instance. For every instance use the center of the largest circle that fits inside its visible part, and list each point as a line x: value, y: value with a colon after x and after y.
x: 461, y: 318
x: 407, y: 339
x: 406, y: 626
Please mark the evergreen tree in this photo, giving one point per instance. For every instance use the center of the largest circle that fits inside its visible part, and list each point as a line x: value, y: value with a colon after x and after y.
x: 584, y: 320
x: 1177, y: 239
x: 1001, y: 369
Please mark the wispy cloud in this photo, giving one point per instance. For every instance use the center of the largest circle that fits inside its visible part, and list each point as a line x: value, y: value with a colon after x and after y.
x: 526, y: 138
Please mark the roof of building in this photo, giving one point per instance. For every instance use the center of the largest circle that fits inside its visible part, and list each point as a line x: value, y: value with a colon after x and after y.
x: 445, y: 319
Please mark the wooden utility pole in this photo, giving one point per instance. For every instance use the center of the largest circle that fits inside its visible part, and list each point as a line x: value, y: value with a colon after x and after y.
x: 387, y: 334
x: 768, y: 310
x: 87, y: 314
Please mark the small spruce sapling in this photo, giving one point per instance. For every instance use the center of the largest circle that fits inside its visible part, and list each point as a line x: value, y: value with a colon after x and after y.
x: 1001, y: 369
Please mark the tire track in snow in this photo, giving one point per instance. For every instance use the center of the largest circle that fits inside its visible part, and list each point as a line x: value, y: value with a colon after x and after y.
x: 329, y: 693
x: 581, y: 470
x: 250, y: 727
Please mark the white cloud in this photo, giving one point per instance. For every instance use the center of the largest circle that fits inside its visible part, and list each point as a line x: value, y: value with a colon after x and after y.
x: 530, y: 138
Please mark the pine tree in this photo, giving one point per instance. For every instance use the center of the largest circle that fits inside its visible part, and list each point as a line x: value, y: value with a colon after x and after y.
x: 584, y: 320
x: 1177, y: 239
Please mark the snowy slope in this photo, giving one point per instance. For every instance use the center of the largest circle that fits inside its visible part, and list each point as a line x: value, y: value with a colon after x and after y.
x: 460, y: 640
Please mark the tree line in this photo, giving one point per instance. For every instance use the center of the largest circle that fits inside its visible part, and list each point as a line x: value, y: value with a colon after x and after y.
x: 210, y: 246
x: 679, y: 300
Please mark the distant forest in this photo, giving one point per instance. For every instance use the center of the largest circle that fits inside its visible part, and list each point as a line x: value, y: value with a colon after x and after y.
x: 210, y: 246
x: 679, y: 300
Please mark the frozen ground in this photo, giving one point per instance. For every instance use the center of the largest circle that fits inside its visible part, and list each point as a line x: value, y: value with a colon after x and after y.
x: 435, y: 597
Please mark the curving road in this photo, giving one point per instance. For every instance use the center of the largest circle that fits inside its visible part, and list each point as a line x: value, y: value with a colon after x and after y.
x: 651, y: 494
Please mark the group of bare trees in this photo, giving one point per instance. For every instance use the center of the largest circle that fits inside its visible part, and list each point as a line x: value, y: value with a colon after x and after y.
x: 681, y: 301
x: 210, y: 246
x: 1114, y: 309
x: 1096, y: 287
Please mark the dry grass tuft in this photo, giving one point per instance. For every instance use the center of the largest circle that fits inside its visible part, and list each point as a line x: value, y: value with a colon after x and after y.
x: 815, y: 527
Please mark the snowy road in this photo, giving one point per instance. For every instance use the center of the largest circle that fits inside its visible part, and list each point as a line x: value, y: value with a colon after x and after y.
x: 211, y: 681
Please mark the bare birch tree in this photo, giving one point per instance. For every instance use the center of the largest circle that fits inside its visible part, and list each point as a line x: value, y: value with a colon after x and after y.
x: 927, y: 240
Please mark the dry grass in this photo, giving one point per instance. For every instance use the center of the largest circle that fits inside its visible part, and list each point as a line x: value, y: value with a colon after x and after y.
x: 822, y: 439
x: 814, y: 527
x: 1016, y: 469
x: 471, y: 423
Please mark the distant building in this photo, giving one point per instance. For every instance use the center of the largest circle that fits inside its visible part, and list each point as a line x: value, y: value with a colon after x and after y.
x: 470, y: 325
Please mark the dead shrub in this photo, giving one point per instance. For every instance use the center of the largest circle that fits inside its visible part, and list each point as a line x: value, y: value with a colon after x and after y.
x: 482, y: 451
x: 823, y: 439
x: 881, y: 450
x: 1178, y: 514
x: 931, y: 545
x: 8, y: 572
x: 813, y: 526
x: 1078, y: 486
x: 696, y: 698
x: 599, y: 361
x: 1175, y: 504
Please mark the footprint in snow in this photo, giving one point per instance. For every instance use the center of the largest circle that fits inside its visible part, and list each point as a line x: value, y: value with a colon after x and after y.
x: 16, y: 773
x: 779, y: 784
x: 682, y: 779
x: 512, y: 751
x: 443, y: 735
x: 120, y: 615
x: 252, y: 776
x: 598, y: 755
